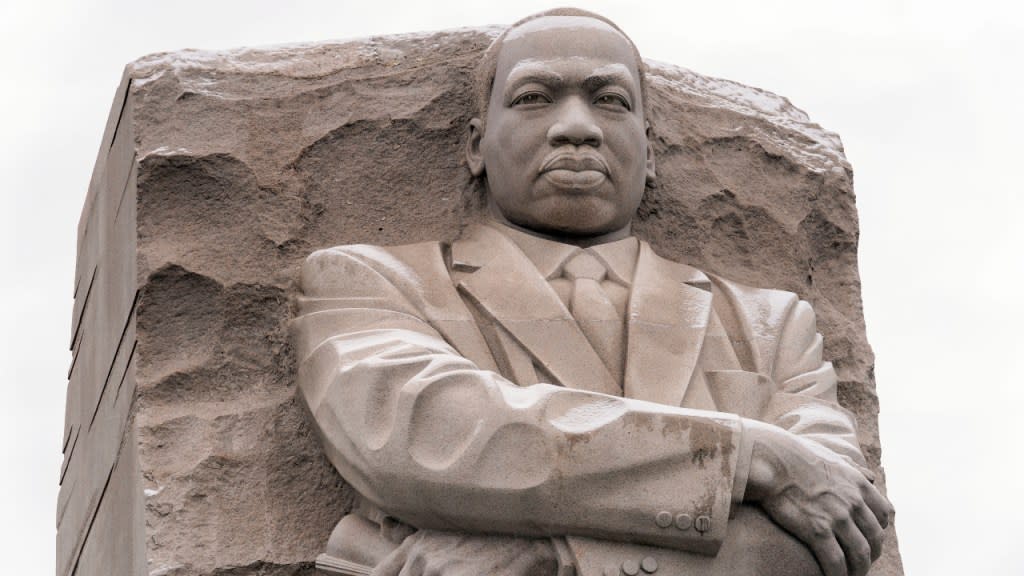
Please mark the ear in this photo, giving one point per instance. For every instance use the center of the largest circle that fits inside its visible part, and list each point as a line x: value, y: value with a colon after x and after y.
x: 474, y: 157
x: 651, y: 174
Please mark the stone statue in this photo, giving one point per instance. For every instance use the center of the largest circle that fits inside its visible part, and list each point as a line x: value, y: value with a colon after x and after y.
x: 546, y: 395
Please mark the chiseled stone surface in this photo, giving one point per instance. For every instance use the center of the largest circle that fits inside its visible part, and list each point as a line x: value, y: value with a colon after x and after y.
x: 248, y: 160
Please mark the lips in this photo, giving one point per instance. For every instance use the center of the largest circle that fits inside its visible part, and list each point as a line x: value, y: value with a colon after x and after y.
x: 573, y: 171
x: 575, y: 163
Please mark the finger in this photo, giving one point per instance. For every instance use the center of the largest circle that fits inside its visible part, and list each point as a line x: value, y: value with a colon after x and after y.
x: 525, y: 565
x: 871, y: 529
x: 878, y: 504
x: 415, y: 565
x: 855, y: 546
x: 816, y: 533
x: 537, y: 557
x: 393, y: 563
x: 830, y: 556
x: 433, y: 567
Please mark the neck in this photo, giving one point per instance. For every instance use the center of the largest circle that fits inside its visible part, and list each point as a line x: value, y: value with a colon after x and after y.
x: 583, y: 241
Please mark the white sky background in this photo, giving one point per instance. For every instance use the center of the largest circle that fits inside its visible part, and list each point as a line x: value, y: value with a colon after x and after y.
x: 927, y: 96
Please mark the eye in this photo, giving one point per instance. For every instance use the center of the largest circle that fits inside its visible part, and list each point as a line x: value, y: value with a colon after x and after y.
x: 531, y: 98
x: 612, y: 100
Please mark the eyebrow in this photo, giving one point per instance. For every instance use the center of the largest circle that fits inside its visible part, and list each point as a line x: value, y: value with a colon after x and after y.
x: 526, y: 72
x: 614, y: 74
x: 535, y: 71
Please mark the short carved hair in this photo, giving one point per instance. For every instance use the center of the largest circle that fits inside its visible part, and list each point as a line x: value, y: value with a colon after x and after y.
x: 487, y: 68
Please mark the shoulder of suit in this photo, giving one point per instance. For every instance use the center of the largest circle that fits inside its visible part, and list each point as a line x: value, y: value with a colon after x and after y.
x: 766, y: 303
x: 381, y: 258
x: 358, y: 258
x: 404, y: 264
x: 383, y: 255
x: 766, y: 309
x: 770, y: 313
x: 716, y: 283
x: 767, y: 295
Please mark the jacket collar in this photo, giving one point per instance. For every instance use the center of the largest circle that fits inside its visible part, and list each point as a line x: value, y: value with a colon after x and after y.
x: 669, y: 308
x: 507, y: 287
x: 619, y: 257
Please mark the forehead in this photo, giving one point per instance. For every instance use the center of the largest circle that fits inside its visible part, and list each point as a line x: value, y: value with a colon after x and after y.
x: 565, y: 41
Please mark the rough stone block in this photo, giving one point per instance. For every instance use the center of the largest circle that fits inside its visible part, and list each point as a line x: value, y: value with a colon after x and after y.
x: 221, y: 171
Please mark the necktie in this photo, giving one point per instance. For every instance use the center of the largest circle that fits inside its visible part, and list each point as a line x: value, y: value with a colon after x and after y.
x: 594, y: 311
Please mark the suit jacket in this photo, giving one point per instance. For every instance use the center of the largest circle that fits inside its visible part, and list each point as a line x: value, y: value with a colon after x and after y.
x: 454, y: 391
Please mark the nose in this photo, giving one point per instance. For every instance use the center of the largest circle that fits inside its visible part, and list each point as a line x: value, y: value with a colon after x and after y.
x: 575, y: 125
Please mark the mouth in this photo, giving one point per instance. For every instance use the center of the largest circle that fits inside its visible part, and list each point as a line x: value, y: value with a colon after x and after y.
x: 581, y: 180
x: 575, y: 171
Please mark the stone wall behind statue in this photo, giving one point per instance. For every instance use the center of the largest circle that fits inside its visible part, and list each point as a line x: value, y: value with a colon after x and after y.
x: 186, y: 452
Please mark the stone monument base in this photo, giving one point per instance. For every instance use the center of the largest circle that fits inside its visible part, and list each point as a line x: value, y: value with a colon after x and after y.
x: 186, y: 452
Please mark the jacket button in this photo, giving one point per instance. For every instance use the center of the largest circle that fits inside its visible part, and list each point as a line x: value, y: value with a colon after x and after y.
x: 663, y: 519
x: 630, y: 568
x: 702, y: 524
x: 684, y: 521
x: 649, y: 565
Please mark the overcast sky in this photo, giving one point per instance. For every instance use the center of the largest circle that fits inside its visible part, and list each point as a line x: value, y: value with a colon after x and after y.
x: 927, y: 96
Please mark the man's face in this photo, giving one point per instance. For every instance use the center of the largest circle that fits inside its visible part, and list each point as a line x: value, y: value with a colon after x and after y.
x: 565, y: 147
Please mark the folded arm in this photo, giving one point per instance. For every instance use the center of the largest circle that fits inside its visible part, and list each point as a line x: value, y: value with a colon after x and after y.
x: 806, y: 469
x: 439, y: 443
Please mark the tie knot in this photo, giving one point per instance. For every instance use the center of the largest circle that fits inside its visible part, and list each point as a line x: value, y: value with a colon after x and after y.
x: 585, y: 265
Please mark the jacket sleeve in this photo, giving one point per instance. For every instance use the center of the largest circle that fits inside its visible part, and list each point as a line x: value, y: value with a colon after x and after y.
x: 806, y: 401
x: 437, y: 442
x: 775, y: 337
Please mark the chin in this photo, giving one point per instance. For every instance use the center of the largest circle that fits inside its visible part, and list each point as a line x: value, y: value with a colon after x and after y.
x: 577, y: 219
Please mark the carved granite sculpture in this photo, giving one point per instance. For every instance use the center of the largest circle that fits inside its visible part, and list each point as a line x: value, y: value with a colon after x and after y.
x: 187, y: 450
x: 546, y: 394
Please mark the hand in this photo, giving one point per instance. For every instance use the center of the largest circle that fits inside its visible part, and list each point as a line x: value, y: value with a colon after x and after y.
x: 819, y: 498
x: 431, y: 553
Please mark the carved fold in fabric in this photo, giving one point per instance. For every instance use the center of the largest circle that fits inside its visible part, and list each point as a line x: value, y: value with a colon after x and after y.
x: 397, y: 393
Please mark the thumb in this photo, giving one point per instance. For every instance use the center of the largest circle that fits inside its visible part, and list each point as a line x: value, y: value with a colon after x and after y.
x: 393, y: 563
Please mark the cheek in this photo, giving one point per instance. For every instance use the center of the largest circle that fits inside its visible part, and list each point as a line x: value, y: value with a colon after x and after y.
x: 629, y: 136
x: 519, y: 138
x: 496, y: 154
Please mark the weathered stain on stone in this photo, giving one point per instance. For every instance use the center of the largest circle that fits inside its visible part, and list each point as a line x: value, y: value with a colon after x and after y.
x: 250, y: 159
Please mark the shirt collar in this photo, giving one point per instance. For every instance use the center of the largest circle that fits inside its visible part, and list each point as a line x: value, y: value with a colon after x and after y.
x: 549, y: 256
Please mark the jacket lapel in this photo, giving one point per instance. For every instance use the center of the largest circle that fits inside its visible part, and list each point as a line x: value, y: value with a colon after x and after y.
x: 506, y: 286
x: 669, y: 309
